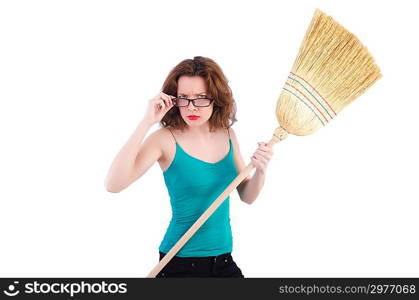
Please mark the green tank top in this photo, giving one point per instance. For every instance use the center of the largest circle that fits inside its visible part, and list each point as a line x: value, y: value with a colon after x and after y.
x: 193, y: 185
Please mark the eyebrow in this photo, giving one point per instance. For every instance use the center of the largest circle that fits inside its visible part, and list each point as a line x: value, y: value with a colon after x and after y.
x: 193, y: 94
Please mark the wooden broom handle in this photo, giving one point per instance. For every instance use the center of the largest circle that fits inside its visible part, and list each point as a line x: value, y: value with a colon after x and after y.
x: 279, y: 135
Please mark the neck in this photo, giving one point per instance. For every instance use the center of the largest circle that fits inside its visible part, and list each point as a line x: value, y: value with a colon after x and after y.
x: 199, y: 132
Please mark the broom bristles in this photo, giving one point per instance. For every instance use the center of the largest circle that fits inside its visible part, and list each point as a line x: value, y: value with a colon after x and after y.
x: 332, y: 69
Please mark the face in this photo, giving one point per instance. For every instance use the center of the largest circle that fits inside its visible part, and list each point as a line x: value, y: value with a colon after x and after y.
x: 193, y: 87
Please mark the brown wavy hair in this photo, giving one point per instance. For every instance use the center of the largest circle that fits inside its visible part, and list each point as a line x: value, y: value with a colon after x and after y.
x: 224, y: 112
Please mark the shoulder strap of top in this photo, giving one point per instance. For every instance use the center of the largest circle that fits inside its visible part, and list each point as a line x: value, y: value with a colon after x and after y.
x: 173, y: 135
x: 228, y: 130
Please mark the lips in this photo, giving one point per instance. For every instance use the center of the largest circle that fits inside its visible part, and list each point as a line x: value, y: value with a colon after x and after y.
x: 193, y: 117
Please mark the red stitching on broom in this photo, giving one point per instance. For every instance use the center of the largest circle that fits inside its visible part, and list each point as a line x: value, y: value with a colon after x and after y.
x: 315, y: 90
x: 308, y: 100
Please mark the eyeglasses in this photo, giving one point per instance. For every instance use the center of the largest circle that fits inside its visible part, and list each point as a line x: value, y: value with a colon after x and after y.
x: 197, y: 102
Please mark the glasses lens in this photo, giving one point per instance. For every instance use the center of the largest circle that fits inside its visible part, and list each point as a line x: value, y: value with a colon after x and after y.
x: 182, y: 102
x: 201, y: 102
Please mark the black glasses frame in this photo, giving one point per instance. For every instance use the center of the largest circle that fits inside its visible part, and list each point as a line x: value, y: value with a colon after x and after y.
x: 192, y: 100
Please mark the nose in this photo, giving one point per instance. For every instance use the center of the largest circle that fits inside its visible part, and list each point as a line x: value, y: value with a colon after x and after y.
x: 191, y: 106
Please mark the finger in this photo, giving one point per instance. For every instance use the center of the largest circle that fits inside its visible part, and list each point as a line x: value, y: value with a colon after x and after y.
x: 161, y: 104
x: 169, y: 101
x: 263, y: 146
x: 158, y: 98
x: 166, y: 99
x: 267, y: 150
x: 163, y: 97
x: 166, y: 102
x: 256, y: 155
x: 256, y: 162
x: 267, y: 155
x: 169, y: 107
x: 261, y: 158
x: 262, y: 152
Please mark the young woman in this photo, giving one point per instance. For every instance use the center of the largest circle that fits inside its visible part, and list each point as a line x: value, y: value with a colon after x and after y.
x: 199, y: 155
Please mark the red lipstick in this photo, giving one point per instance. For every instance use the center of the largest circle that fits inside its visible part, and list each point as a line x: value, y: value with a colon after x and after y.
x: 193, y: 117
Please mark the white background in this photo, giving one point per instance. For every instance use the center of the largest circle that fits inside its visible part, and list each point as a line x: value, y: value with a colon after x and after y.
x: 75, y: 79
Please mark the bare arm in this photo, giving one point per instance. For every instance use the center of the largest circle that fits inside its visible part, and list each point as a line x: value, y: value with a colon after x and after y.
x: 135, y: 157
x: 121, y: 170
x: 250, y: 187
x: 240, y: 165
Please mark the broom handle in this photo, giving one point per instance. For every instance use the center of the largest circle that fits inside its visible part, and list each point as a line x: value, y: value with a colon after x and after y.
x: 279, y: 135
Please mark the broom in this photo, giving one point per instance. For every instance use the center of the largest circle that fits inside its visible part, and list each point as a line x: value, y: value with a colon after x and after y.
x: 332, y: 69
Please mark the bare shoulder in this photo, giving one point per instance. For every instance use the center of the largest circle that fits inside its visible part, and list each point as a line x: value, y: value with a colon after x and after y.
x: 161, y: 138
x: 161, y: 134
x: 164, y: 140
x: 233, y: 137
x: 151, y: 150
x: 235, y: 142
x: 238, y: 158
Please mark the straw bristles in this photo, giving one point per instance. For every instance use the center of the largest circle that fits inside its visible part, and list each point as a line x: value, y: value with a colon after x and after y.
x: 332, y: 69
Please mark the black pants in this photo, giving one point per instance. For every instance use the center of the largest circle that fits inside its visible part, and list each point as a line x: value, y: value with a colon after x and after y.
x: 209, y: 266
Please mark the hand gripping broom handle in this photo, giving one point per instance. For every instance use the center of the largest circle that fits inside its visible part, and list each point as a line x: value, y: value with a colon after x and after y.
x: 279, y: 135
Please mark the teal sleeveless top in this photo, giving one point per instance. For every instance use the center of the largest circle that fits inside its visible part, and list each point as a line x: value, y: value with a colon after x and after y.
x: 193, y: 185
